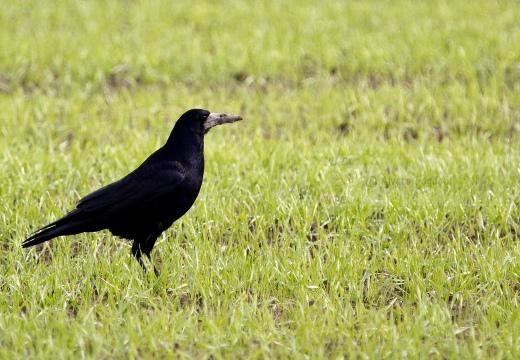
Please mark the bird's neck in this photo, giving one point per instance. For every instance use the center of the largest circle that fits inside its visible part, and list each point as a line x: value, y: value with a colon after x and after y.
x: 187, y: 148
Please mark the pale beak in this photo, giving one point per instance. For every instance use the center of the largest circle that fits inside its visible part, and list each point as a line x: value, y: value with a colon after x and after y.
x: 219, y: 119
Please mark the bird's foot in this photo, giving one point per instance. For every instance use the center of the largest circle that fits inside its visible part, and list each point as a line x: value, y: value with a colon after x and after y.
x: 156, y: 272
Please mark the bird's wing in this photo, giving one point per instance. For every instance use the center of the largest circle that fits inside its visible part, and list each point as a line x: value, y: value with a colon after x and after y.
x: 138, y: 189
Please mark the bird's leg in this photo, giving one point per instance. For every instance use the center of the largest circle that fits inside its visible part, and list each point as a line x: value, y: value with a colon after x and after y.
x: 155, y: 270
x: 148, y: 246
x: 136, y: 251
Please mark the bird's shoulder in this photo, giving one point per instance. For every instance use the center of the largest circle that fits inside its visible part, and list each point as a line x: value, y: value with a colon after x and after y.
x: 158, y: 170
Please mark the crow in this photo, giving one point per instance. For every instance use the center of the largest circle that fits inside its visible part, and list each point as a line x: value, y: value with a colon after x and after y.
x: 147, y: 201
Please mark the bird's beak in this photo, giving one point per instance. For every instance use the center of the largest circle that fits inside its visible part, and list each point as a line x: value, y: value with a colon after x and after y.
x: 219, y: 119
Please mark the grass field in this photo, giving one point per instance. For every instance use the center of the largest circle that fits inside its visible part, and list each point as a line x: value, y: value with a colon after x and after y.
x: 366, y: 207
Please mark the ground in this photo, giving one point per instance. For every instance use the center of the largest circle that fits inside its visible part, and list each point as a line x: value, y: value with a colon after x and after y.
x: 366, y: 207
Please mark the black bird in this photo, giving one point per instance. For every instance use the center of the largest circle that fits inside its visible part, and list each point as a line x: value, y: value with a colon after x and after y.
x: 147, y: 201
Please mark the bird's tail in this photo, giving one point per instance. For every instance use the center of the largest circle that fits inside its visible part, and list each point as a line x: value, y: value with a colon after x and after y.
x: 72, y: 223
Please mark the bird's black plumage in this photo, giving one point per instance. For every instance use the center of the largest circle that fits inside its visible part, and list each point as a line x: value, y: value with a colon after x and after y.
x: 147, y: 201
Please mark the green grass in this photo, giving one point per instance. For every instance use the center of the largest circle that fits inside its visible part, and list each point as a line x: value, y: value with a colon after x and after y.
x: 366, y: 207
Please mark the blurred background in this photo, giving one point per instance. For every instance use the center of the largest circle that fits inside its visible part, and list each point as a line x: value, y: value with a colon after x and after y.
x: 369, y: 197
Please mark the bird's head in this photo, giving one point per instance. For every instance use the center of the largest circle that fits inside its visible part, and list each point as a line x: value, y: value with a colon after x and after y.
x: 203, y: 120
